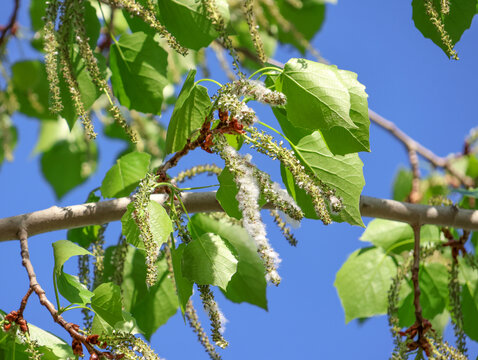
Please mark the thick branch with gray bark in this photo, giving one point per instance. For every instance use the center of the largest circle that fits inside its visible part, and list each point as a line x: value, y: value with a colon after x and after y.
x: 59, y: 218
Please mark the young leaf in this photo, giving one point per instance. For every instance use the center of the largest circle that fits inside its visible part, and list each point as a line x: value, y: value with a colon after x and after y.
x: 340, y: 172
x: 125, y: 175
x: 395, y: 236
x: 209, y: 260
x: 248, y: 284
x: 159, y: 221
x: 189, y: 113
x: 30, y: 86
x: 68, y: 164
x: 138, y: 65
x: 402, y: 185
x: 63, y: 250
x: 458, y: 19
x: 150, y: 307
x: 106, y: 303
x: 184, y: 286
x: 470, y: 311
x: 321, y: 97
x: 72, y: 290
x: 188, y: 21
x: 433, y: 279
x: 363, y: 282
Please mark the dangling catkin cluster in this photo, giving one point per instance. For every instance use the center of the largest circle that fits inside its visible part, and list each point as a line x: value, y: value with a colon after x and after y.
x: 454, y: 289
x: 307, y: 181
x: 59, y: 50
x: 148, y: 16
x: 247, y: 197
x: 248, y: 9
x: 193, y: 320
x: 128, y: 346
x: 217, y: 318
x: 141, y: 217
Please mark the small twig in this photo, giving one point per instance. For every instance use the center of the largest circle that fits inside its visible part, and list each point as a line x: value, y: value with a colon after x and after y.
x: 24, y: 301
x: 35, y: 286
x: 410, y: 143
x: 415, y: 271
x: 415, y: 195
x: 10, y: 27
x: 421, y: 325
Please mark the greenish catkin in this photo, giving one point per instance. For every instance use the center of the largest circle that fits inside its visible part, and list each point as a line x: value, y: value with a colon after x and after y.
x: 437, y: 21
x: 454, y: 288
x: 193, y: 320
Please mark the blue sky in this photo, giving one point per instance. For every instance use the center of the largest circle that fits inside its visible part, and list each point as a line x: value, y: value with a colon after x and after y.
x: 409, y: 81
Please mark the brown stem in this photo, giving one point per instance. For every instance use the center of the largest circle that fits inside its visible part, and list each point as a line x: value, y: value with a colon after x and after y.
x: 11, y: 24
x: 36, y: 287
x: 410, y: 143
x: 416, y: 285
x: 24, y: 301
x: 415, y: 195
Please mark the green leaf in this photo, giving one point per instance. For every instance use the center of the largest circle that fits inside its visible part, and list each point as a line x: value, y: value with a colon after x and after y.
x: 340, y: 172
x: 227, y: 192
x: 307, y: 20
x: 209, y: 260
x: 30, y: 86
x: 321, y: 97
x: 363, y: 282
x: 189, y: 113
x: 248, y: 284
x: 469, y: 306
x: 188, y: 21
x: 184, y: 286
x: 84, y: 236
x: 139, y: 72
x: 160, y: 223
x: 150, y: 307
x: 68, y: 164
x: 402, y: 185
x: 106, y: 303
x: 455, y: 22
x: 396, y: 237
x: 125, y: 175
x: 50, y: 346
x: 51, y: 132
x: 72, y: 290
x: 433, y: 279
x: 63, y: 250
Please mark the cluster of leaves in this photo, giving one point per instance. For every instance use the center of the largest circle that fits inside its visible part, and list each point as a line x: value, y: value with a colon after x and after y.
x: 133, y: 52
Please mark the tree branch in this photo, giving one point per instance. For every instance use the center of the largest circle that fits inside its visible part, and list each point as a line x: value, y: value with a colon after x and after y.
x: 59, y: 218
x: 413, y: 145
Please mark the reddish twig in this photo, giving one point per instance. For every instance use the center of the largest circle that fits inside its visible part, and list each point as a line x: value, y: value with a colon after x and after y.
x: 456, y: 245
x: 415, y: 195
x: 35, y: 286
x: 12, y: 24
x: 421, y: 325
